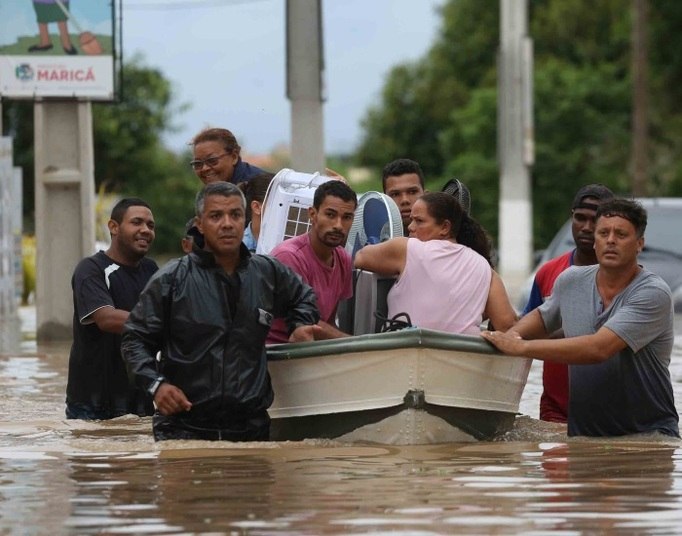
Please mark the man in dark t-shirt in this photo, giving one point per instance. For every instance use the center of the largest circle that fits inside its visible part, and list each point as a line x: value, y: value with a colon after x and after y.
x: 106, y: 286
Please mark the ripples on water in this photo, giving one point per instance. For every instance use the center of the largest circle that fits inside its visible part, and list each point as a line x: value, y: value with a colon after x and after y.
x: 60, y: 476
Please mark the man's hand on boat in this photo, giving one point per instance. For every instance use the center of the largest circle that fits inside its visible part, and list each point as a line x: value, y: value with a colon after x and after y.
x: 321, y: 331
x: 170, y: 400
x: 509, y: 342
x: 303, y: 333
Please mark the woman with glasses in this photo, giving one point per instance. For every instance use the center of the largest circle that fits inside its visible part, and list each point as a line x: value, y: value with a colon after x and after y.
x: 216, y: 157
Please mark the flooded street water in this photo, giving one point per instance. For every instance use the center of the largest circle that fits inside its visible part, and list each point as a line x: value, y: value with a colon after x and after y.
x: 76, y: 477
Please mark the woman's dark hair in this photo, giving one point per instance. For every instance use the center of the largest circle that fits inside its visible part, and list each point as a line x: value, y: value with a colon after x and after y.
x: 467, y: 231
x: 221, y: 135
x: 255, y: 189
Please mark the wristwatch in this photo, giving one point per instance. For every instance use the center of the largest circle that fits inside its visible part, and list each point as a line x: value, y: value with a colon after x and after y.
x: 155, y: 385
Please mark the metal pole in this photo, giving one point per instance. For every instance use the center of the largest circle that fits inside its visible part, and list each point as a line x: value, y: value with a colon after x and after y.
x: 515, y: 144
x: 640, y: 98
x: 305, y: 71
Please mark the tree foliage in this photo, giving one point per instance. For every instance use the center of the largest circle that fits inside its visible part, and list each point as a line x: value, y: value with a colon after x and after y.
x: 442, y: 109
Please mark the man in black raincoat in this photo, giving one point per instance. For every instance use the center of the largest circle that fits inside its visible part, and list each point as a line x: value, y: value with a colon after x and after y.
x: 208, y: 313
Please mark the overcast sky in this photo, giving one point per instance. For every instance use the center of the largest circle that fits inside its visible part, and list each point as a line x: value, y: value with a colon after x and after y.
x: 226, y: 59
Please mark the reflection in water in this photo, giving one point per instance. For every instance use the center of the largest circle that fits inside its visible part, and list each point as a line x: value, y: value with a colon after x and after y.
x: 168, y: 494
x: 322, y: 488
x: 110, y: 477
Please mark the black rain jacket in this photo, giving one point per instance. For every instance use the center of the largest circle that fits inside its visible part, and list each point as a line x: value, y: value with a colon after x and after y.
x: 217, y: 357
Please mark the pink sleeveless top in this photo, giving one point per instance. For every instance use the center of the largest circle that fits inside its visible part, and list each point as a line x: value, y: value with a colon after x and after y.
x: 444, y: 286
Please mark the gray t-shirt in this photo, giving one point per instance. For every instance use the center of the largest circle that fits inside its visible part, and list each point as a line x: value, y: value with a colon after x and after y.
x: 630, y: 392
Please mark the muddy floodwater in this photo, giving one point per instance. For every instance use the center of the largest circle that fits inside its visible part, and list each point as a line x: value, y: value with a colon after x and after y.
x: 77, y: 477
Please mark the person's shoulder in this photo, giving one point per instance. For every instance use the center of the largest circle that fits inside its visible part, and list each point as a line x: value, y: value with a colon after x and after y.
x: 577, y: 273
x: 408, y: 246
x: 146, y: 262
x: 172, y: 268
x: 261, y: 263
x: 553, y: 267
x: 244, y: 171
x: 258, y: 259
x: 561, y: 262
x: 171, y: 274
x: 148, y: 266
x: 645, y: 278
x: 581, y: 271
x: 251, y: 170
x: 343, y: 254
x: 290, y: 246
x: 97, y: 262
x: 411, y: 243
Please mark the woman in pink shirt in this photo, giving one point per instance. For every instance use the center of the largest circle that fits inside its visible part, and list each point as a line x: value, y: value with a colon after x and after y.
x: 445, y: 280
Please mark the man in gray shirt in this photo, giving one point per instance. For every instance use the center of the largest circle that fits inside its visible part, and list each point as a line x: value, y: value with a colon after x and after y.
x: 617, y: 319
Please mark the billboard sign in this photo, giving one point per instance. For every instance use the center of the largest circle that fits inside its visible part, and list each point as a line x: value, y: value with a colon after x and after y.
x: 57, y: 48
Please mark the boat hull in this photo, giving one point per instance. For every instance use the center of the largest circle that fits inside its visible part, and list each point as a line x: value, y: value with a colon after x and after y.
x: 415, y: 386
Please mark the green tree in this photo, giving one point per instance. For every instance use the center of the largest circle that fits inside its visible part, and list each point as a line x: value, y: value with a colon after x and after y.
x: 419, y: 98
x: 127, y: 134
x: 442, y: 109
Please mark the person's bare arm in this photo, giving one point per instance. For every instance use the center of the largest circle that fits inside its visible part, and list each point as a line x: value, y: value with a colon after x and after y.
x: 582, y: 350
x: 386, y: 258
x: 335, y: 175
x: 530, y: 326
x: 498, y: 308
x: 109, y: 319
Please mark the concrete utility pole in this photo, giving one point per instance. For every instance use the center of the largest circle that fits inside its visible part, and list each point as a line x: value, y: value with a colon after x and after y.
x: 64, y: 204
x: 515, y: 143
x: 305, y: 72
x: 640, y: 98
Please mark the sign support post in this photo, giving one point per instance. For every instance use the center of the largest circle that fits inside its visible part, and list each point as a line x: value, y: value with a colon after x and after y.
x: 64, y: 203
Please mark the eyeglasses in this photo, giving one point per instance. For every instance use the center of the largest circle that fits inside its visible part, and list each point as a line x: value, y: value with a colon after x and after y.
x: 211, y: 161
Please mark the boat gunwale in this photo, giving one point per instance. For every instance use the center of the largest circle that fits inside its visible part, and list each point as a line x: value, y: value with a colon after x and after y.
x: 405, y: 338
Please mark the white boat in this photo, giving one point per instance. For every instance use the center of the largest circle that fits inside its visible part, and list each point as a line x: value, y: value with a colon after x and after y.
x: 414, y: 386
x: 408, y: 387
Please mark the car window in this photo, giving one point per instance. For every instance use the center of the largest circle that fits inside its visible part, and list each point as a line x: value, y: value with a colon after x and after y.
x: 663, y: 229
